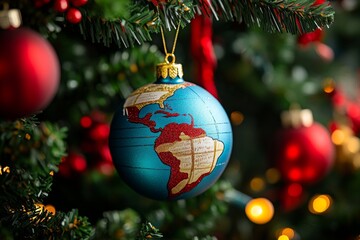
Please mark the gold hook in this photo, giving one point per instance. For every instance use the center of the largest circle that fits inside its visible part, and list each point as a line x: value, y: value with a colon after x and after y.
x: 167, y: 55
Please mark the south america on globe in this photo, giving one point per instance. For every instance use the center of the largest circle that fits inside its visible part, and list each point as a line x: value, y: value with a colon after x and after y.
x: 171, y: 139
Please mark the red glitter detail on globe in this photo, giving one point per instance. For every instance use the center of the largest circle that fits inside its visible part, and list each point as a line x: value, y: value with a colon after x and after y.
x: 170, y: 134
x: 133, y: 116
x: 167, y: 114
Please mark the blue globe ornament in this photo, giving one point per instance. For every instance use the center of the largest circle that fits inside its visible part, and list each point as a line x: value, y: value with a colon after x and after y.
x: 171, y: 139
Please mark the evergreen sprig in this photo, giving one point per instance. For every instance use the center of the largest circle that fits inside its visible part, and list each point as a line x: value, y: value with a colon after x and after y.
x: 29, y: 155
x: 292, y: 16
x: 148, y: 231
x: 140, y: 19
x: 144, y: 19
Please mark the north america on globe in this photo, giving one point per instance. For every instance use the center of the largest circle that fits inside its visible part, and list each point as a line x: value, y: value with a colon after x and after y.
x: 186, y: 149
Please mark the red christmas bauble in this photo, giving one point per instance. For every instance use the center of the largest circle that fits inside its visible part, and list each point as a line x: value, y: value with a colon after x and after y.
x: 73, y: 15
x: 73, y: 164
x: 291, y: 196
x: 304, y: 154
x: 61, y: 5
x: 29, y: 73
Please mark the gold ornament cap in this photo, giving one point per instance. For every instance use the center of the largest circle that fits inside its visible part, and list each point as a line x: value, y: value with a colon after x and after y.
x: 297, y: 118
x: 169, y: 69
x: 9, y: 18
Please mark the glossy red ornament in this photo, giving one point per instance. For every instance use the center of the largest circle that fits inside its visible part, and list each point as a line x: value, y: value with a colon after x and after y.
x: 304, y: 154
x: 94, y: 142
x: 61, y: 5
x: 291, y: 196
x: 29, y: 73
x: 78, y: 3
x: 73, y: 164
x: 73, y: 15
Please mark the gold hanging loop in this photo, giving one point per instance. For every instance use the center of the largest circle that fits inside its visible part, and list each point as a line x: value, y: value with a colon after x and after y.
x: 169, y: 69
x: 171, y: 56
x: 175, y: 40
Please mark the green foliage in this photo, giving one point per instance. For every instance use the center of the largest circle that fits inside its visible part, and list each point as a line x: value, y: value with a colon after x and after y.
x: 94, y: 78
x: 293, y: 16
x: 197, y: 216
x: 113, y: 9
x: 121, y: 225
x: 30, y: 154
x: 148, y: 231
x: 126, y: 23
x: 144, y: 19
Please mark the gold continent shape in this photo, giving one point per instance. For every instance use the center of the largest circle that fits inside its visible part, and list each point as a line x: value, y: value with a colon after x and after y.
x: 197, y: 156
x: 152, y: 94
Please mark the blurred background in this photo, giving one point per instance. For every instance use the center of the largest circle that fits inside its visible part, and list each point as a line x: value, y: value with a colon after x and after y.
x: 258, y: 77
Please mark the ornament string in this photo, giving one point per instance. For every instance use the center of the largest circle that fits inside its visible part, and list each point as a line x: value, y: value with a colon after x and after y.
x: 171, y: 55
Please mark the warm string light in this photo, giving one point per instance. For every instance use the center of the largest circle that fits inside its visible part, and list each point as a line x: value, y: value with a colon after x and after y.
x: 39, y: 209
x: 348, y: 147
x: 286, y: 234
x: 320, y: 204
x: 272, y: 175
x: 236, y: 118
x: 27, y: 136
x: 259, y: 210
x: 5, y: 169
x: 258, y: 184
x: 328, y: 85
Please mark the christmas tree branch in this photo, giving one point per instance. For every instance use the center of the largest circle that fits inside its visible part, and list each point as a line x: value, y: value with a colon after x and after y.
x: 144, y: 19
x: 29, y: 155
x: 293, y: 16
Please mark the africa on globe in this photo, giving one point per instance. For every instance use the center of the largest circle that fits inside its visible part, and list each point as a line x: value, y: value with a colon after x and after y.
x: 171, y: 139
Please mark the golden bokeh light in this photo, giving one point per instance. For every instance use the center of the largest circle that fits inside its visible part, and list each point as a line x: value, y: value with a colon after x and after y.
x: 328, y: 85
x: 259, y: 210
x: 272, y: 175
x: 257, y: 184
x: 236, y: 118
x: 51, y: 209
x: 353, y: 144
x: 319, y: 204
x: 338, y: 137
x: 283, y: 237
x: 356, y: 161
x: 289, y: 232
